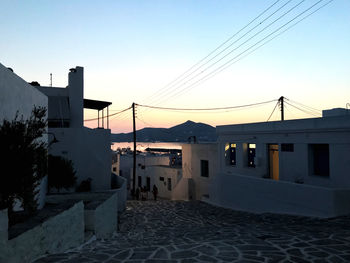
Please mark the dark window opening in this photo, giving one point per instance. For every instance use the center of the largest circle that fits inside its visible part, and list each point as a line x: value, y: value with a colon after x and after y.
x: 114, y: 169
x: 251, y: 154
x: 319, y: 159
x: 230, y: 154
x: 169, y: 184
x: 204, y: 168
x: 161, y: 178
x: 287, y: 147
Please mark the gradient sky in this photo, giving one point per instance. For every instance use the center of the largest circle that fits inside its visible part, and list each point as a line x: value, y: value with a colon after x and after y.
x: 131, y: 49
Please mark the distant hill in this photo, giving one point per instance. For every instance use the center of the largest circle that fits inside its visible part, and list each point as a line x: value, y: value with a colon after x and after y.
x: 178, y: 133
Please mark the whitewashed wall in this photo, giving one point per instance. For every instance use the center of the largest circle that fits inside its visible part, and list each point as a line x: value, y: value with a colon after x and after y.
x: 179, y: 190
x: 89, y: 149
x: 17, y: 96
x: 126, y: 164
x: 56, y: 235
x: 242, y: 187
x: 192, y: 154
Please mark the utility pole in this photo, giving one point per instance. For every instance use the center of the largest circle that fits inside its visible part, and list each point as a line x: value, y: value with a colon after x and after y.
x: 50, y: 79
x: 281, y: 101
x: 134, y: 133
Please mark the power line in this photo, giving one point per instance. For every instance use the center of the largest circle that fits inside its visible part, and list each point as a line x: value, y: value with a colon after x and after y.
x: 266, y: 42
x: 170, y: 84
x: 305, y: 106
x: 94, y: 119
x: 273, y: 111
x: 240, y: 45
x: 216, y: 71
x: 307, y: 112
x: 204, y: 109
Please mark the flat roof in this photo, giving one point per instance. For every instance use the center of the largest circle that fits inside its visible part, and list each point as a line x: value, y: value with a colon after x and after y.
x: 96, y: 104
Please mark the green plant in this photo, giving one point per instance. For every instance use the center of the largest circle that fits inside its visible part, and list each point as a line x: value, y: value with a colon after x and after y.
x: 61, y: 173
x: 23, y: 159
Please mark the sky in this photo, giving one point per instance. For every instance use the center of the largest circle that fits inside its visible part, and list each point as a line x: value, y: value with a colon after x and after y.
x: 131, y: 50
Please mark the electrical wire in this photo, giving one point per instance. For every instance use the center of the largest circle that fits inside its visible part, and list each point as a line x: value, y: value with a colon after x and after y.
x: 269, y: 40
x: 305, y: 106
x: 205, y: 78
x: 307, y: 112
x: 204, y: 109
x: 94, y: 119
x: 169, y: 85
x: 273, y: 111
x: 240, y: 45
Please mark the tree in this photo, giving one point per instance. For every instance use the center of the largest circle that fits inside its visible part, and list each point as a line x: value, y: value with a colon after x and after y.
x: 61, y: 173
x: 23, y: 159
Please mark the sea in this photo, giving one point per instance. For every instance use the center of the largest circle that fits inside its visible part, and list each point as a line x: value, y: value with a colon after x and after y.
x: 142, y: 146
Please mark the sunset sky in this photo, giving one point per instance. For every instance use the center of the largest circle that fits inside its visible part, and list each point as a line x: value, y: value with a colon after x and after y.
x: 131, y: 50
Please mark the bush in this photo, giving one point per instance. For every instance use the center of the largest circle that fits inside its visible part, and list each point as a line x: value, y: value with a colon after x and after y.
x: 61, y: 173
x: 23, y: 159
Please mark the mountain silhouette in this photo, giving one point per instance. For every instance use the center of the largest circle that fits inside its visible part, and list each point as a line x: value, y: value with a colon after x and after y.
x: 178, y: 133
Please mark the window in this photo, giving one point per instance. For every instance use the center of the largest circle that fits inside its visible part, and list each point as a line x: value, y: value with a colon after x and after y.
x: 204, y: 168
x: 287, y: 147
x: 114, y: 169
x: 230, y: 154
x: 319, y: 159
x: 161, y: 178
x: 251, y: 154
x: 169, y: 184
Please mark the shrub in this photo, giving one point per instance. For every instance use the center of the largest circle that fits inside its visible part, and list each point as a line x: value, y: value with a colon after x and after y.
x: 61, y: 173
x: 23, y: 159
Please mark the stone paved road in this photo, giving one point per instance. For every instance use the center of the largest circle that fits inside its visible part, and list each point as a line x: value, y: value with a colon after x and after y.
x: 169, y: 231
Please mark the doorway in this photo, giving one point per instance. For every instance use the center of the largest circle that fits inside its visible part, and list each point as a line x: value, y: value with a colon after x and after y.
x: 148, y: 184
x: 274, y: 161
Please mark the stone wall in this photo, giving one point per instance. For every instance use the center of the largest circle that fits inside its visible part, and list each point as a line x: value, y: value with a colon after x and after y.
x: 266, y: 195
x: 103, y: 219
x: 122, y: 193
x: 57, y: 234
x: 100, y: 211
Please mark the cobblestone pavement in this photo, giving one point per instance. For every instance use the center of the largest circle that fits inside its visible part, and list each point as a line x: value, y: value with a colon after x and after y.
x: 169, y: 231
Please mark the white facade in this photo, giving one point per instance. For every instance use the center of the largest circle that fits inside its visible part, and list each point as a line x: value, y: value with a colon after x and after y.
x: 89, y: 149
x: 18, y: 97
x: 299, y: 167
x: 169, y: 181
x: 195, y: 158
x: 125, y: 165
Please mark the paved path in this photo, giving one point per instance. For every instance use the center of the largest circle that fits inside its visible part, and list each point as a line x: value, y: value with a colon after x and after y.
x: 169, y: 231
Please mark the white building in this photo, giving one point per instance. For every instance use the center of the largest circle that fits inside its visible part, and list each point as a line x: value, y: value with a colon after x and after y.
x: 189, y: 181
x: 124, y: 165
x: 89, y: 149
x: 295, y: 166
x: 17, y: 96
x: 199, y: 165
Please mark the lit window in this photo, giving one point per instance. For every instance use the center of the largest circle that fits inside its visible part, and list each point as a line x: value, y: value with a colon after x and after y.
x: 230, y: 154
x: 251, y: 154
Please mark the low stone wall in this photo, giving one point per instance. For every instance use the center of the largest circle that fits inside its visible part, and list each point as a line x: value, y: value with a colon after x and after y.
x: 265, y: 195
x: 57, y: 234
x: 100, y: 211
x: 122, y: 193
x: 102, y: 218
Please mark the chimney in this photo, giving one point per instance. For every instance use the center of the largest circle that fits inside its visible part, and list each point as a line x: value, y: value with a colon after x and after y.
x: 76, y: 96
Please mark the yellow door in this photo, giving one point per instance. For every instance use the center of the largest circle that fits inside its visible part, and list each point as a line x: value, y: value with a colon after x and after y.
x: 274, y: 161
